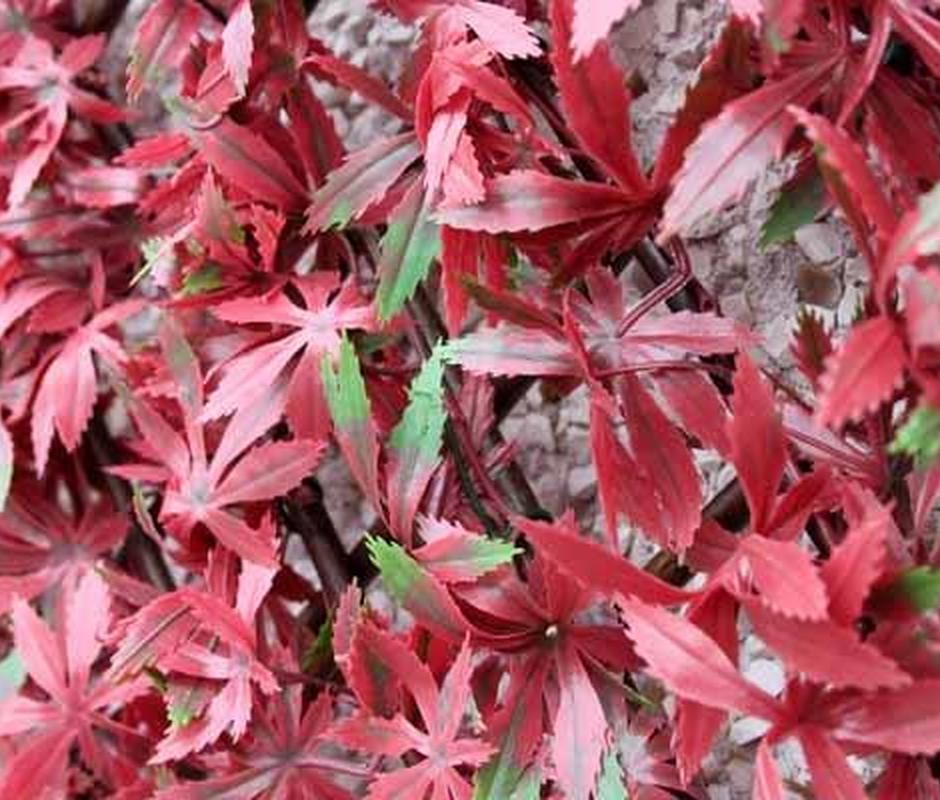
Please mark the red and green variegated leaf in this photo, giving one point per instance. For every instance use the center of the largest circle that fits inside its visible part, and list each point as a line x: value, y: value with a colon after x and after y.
x: 857, y: 562
x: 367, y: 667
x: 362, y: 181
x: 527, y: 200
x: 414, y: 446
x: 580, y: 727
x: 454, y: 554
x: 353, y: 426
x: 690, y: 663
x: 411, y: 243
x: 735, y: 147
x: 830, y: 772
x: 783, y: 576
x: 419, y: 593
x: 725, y: 75
x: 593, y: 21
x: 511, y: 350
x: 595, y: 100
x: 758, y: 443
x: 597, y: 568
x: 863, y: 373
x: 160, y: 42
x: 254, y: 166
x: 825, y: 652
x: 906, y: 720
x: 661, y: 454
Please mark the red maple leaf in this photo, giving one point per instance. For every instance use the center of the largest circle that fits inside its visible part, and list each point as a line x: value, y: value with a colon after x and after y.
x: 74, y: 708
x: 439, y: 744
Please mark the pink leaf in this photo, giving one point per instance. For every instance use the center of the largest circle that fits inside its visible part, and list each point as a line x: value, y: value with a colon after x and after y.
x: 594, y: 96
x: 593, y: 21
x: 690, y: 663
x: 603, y: 571
x: 784, y: 576
x: 863, y: 373
x: 661, y: 454
x: 832, y: 776
x: 826, y: 653
x: 501, y: 29
x: 758, y: 444
x: 767, y: 782
x: 527, y: 200
x: 160, y: 42
x: 738, y: 145
x: 253, y: 165
x: 362, y: 181
x: 38, y: 648
x: 579, y: 729
x: 906, y: 720
x: 268, y: 471
x: 857, y: 562
x: 238, y: 44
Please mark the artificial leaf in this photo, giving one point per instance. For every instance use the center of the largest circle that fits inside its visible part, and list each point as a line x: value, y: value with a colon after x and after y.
x: 417, y: 590
x: 732, y: 149
x: 863, y: 373
x: 410, y: 245
x: 415, y: 445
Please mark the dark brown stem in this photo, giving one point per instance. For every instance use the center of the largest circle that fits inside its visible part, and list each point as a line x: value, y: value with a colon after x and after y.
x: 306, y: 515
x: 139, y: 550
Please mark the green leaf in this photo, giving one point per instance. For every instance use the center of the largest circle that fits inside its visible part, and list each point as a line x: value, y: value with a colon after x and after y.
x: 919, y: 437
x: 400, y: 572
x: 919, y: 587
x: 157, y: 678
x: 610, y: 782
x: 158, y: 253
x: 180, y: 716
x: 416, y: 590
x: 206, y: 279
x: 421, y: 427
x: 799, y: 203
x: 498, y: 779
x: 345, y: 388
x: 320, y: 652
x: 408, y: 249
